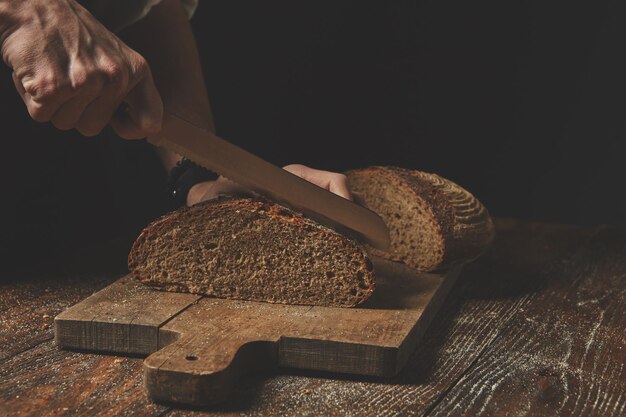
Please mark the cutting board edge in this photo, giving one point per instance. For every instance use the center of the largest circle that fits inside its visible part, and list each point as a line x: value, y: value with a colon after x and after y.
x: 415, y: 335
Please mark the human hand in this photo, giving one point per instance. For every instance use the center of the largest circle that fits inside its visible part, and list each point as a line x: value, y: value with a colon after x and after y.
x: 334, y: 182
x: 70, y: 70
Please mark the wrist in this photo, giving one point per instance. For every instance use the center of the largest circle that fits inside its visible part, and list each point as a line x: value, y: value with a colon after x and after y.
x: 184, y: 177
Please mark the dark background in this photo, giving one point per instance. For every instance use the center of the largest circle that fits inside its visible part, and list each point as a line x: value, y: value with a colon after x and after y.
x: 521, y: 102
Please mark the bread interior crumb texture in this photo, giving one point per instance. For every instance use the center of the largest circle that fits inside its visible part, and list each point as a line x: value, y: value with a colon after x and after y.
x: 416, y: 236
x: 246, y: 249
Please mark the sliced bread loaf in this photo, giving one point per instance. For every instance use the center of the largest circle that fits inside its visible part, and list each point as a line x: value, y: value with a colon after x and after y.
x: 433, y: 222
x: 251, y: 249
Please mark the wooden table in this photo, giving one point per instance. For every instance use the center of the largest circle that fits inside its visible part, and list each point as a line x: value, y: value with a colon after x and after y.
x: 536, y: 327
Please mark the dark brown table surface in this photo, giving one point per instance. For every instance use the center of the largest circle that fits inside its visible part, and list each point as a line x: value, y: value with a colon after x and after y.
x: 536, y: 327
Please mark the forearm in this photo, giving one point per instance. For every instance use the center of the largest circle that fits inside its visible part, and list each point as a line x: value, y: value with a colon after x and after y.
x: 164, y: 38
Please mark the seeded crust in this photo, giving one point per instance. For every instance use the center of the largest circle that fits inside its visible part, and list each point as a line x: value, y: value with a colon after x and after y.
x: 433, y: 222
x: 251, y: 249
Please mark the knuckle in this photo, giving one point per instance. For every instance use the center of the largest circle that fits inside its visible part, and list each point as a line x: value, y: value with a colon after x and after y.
x: 80, y: 80
x: 114, y: 74
x: 43, y: 89
x: 139, y: 67
x: 86, y: 81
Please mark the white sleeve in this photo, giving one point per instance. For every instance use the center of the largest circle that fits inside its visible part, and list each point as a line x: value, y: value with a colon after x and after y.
x: 116, y: 15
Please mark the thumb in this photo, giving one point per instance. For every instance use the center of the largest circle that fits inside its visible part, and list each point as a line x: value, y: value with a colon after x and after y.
x: 142, y: 111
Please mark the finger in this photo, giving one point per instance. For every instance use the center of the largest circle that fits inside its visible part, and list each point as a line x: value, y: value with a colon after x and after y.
x: 37, y: 111
x: 18, y: 85
x: 145, y: 111
x: 312, y: 175
x: 333, y: 182
x: 339, y: 185
x: 296, y: 169
x: 98, y: 114
x: 225, y: 186
x: 42, y: 99
x: 69, y: 115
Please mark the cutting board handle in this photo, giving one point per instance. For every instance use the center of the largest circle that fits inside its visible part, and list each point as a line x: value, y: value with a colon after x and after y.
x: 203, y: 370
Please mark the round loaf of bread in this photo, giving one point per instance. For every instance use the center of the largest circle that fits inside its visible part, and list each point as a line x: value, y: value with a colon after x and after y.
x: 433, y: 222
x: 251, y: 249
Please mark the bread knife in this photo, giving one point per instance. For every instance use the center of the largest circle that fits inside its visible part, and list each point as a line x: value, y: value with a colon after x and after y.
x: 210, y: 151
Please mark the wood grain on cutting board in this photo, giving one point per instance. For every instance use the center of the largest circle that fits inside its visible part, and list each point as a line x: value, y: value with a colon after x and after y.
x: 199, y: 346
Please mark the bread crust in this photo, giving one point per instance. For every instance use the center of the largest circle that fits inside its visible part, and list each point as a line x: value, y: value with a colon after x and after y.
x: 463, y: 223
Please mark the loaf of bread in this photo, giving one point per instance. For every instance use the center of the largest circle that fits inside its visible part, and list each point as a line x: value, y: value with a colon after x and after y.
x: 251, y: 249
x: 433, y: 222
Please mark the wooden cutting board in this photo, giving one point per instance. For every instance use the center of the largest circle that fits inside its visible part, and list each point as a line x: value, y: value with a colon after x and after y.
x: 199, y: 346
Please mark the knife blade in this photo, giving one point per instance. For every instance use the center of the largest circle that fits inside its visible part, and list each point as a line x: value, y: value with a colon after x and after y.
x: 210, y: 151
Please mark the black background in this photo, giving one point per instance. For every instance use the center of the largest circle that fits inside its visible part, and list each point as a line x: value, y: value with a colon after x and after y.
x: 521, y: 102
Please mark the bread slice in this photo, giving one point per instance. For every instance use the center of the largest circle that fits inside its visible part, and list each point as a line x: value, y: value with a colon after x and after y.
x: 432, y: 221
x: 251, y: 249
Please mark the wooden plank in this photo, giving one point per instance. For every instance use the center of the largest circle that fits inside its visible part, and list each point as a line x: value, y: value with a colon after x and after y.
x: 47, y: 381
x: 32, y: 303
x: 566, y: 354
x: 124, y: 318
x: 214, y: 341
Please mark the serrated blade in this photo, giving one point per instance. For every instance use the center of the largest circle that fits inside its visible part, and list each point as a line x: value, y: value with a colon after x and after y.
x: 252, y: 172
